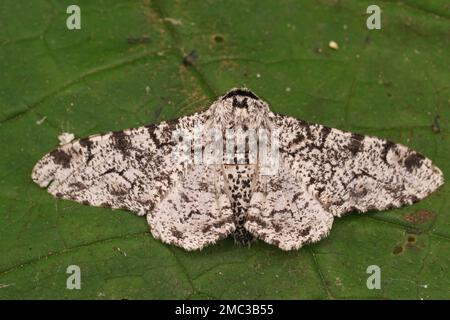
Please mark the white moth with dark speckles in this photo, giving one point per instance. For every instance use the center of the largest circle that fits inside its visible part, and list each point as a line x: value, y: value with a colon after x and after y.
x: 322, y: 173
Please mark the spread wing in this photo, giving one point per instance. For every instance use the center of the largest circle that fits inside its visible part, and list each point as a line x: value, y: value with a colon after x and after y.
x: 351, y: 172
x: 135, y: 169
x: 131, y: 169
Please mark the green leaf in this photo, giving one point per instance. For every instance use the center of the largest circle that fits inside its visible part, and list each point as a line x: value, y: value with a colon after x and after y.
x: 393, y: 83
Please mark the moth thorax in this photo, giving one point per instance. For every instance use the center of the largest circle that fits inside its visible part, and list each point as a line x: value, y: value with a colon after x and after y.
x: 240, y: 111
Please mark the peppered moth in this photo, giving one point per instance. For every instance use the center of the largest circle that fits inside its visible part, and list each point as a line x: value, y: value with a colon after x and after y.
x: 238, y: 168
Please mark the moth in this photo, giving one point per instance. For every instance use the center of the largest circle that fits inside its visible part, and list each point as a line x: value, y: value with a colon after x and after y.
x: 321, y: 173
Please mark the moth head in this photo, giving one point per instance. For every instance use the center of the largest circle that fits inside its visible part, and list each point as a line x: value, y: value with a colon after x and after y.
x: 240, y: 106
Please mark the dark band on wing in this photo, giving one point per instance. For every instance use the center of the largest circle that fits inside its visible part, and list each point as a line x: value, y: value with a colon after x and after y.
x: 414, y: 160
x: 61, y: 157
x: 355, y: 144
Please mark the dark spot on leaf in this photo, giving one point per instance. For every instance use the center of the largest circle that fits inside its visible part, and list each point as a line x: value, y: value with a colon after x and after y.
x: 411, y: 238
x: 419, y: 217
x: 397, y: 249
x: 190, y: 59
x: 218, y: 38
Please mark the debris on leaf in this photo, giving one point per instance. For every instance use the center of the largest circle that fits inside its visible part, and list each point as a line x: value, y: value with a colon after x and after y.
x: 121, y: 251
x: 41, y: 121
x: 173, y: 21
x: 333, y: 45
